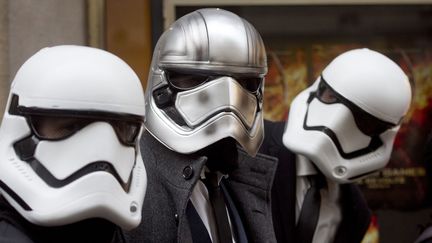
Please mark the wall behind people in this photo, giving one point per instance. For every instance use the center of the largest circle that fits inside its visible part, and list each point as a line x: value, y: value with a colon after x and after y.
x: 36, y: 24
x: 130, y: 37
x: 4, y: 65
x: 26, y: 26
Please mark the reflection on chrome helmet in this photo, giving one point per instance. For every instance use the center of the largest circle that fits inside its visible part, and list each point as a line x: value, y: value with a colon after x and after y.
x: 206, y: 83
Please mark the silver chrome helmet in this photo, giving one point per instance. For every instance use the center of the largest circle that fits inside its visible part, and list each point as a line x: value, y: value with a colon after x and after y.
x: 69, y: 139
x: 347, y: 120
x: 206, y: 83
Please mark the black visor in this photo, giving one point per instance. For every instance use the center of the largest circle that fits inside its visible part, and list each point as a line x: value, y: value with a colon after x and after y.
x: 367, y: 123
x: 182, y: 80
x: 57, y: 128
x: 52, y: 124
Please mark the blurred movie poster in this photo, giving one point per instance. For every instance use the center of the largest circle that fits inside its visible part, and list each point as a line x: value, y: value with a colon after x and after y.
x: 291, y: 71
x: 372, y: 233
x: 286, y: 77
x: 404, y: 183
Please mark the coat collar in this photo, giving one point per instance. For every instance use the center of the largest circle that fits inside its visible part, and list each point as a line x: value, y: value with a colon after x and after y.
x: 180, y: 170
x: 176, y: 168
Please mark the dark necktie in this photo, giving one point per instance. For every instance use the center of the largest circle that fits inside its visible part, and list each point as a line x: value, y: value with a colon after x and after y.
x: 219, y: 209
x: 310, y: 210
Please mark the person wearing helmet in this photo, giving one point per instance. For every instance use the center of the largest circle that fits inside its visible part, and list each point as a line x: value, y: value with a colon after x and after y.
x: 338, y: 130
x: 70, y: 168
x: 204, y: 97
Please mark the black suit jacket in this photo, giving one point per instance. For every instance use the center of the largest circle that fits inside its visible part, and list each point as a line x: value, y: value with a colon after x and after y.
x: 15, y: 229
x: 355, y: 213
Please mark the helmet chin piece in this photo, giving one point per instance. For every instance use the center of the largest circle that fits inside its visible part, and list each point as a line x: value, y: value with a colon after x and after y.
x: 78, y: 201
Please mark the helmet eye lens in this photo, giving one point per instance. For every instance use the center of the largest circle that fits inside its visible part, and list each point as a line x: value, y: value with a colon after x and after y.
x: 252, y: 84
x: 127, y: 132
x: 325, y: 94
x: 367, y: 123
x: 57, y: 128
x: 186, y: 81
x: 52, y: 128
x: 370, y: 125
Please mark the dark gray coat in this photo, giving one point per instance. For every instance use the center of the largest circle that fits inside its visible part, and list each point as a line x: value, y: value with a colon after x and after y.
x: 15, y: 229
x: 171, y: 178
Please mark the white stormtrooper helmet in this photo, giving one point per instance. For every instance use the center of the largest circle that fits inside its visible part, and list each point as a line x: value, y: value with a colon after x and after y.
x: 69, y: 139
x: 347, y: 120
x: 206, y: 83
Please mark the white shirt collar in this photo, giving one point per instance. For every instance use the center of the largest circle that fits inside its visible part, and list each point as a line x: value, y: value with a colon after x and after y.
x: 219, y: 174
x: 201, y: 202
x: 304, y: 166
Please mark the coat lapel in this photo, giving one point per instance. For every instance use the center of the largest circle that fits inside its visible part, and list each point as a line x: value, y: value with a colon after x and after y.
x: 198, y: 229
x: 284, y: 197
